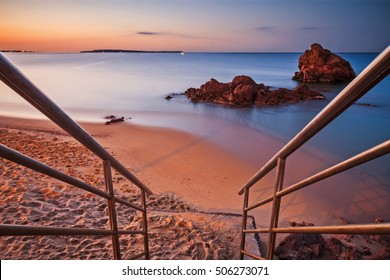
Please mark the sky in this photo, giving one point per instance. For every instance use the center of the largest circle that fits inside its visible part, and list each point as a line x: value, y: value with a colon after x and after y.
x: 195, y: 25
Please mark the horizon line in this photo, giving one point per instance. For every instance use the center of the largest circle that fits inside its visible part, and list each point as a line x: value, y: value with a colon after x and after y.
x: 17, y: 51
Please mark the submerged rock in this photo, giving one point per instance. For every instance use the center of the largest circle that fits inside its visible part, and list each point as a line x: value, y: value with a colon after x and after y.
x: 365, y: 104
x: 113, y: 119
x: 321, y: 65
x: 172, y: 95
x: 243, y: 90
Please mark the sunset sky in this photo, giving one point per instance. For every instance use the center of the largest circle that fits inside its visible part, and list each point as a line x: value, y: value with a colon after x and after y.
x: 194, y: 25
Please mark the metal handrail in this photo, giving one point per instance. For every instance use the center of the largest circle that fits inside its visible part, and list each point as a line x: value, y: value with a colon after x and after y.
x: 375, y: 72
x: 12, y: 77
x: 22, y: 230
x: 33, y: 164
x: 361, y: 158
x: 342, y: 229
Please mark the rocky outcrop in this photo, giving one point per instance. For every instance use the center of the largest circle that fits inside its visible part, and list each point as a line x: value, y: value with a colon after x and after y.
x: 297, y: 246
x: 283, y: 95
x: 243, y: 90
x: 321, y: 65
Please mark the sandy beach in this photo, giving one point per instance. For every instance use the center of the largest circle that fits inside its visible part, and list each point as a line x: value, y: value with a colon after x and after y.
x: 179, y: 228
x: 194, y: 212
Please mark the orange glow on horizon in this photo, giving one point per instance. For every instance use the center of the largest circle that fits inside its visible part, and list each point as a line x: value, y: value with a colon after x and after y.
x: 203, y: 25
x: 48, y: 41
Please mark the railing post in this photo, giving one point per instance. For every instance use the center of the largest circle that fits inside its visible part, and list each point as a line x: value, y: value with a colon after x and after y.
x: 275, y: 207
x: 145, y: 225
x: 111, y: 209
x: 244, y: 221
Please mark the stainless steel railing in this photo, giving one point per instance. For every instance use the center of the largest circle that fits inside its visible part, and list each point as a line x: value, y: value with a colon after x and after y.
x: 368, y: 78
x: 12, y: 77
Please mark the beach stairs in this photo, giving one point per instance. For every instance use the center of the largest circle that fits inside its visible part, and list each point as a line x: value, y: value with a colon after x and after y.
x: 374, y: 73
x: 13, y: 78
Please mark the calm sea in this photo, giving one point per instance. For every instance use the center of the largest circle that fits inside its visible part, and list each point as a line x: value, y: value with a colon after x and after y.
x: 89, y: 86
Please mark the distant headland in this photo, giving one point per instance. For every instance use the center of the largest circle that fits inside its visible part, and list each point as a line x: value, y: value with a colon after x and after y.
x: 16, y: 51
x: 126, y: 51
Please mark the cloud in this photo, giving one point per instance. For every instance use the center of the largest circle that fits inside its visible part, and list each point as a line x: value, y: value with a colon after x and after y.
x: 309, y: 28
x: 148, y: 33
x: 153, y: 33
x: 265, y: 28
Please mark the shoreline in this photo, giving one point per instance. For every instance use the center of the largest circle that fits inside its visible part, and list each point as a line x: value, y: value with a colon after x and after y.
x: 155, y: 155
x: 208, y: 170
x: 177, y: 229
x: 187, y: 173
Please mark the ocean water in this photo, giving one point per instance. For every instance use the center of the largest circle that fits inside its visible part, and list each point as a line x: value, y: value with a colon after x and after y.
x: 89, y: 86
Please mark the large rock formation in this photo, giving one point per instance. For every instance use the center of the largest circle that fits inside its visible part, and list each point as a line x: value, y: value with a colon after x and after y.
x: 321, y: 65
x: 243, y: 90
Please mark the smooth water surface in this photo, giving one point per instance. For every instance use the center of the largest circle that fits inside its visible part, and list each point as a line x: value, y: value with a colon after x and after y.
x: 91, y: 85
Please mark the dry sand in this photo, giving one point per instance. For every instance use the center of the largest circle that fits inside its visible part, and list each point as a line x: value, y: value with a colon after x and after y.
x: 194, y: 212
x: 177, y: 230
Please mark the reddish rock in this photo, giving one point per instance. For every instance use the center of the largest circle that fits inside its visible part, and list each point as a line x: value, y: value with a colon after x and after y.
x: 314, y: 246
x: 321, y: 65
x: 243, y: 90
x: 383, y: 254
x: 343, y: 220
x: 242, y: 80
x: 283, y: 95
x: 297, y: 246
x: 364, y: 250
x: 243, y: 94
x: 213, y: 89
x: 193, y: 94
x: 341, y: 251
x: 379, y: 220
